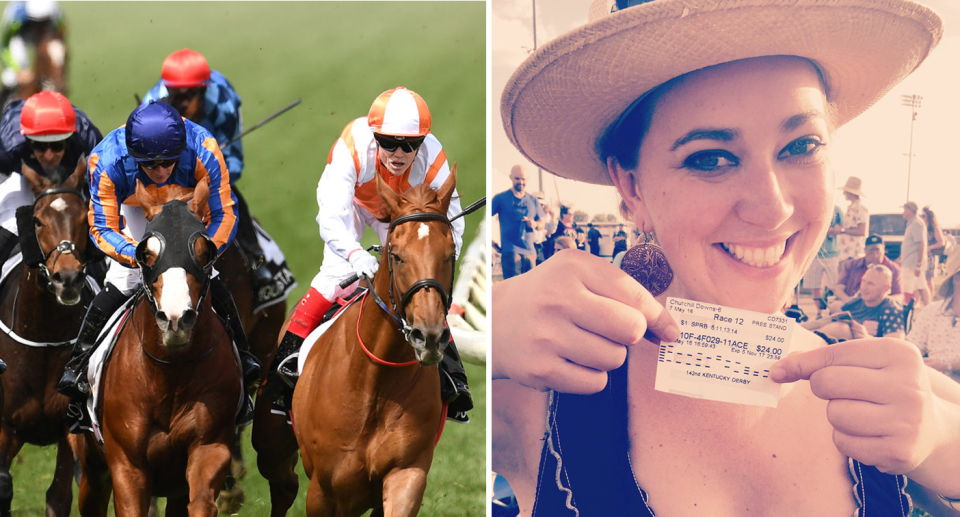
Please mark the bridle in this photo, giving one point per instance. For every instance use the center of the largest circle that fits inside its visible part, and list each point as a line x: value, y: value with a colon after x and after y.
x: 65, y: 246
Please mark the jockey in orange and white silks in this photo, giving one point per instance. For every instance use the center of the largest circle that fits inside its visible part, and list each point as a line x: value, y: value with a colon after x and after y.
x: 394, y: 139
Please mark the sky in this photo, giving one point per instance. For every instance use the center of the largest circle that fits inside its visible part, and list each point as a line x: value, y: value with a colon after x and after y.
x: 873, y: 146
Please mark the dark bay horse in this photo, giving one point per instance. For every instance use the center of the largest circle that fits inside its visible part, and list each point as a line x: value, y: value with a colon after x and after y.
x: 366, y: 410
x: 41, y: 305
x: 172, y: 384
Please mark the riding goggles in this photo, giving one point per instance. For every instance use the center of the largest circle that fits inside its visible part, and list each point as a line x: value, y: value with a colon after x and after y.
x: 158, y: 163
x: 55, y: 146
x: 404, y: 143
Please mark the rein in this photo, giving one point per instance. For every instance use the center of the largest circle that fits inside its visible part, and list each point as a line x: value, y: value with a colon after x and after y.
x: 360, y: 339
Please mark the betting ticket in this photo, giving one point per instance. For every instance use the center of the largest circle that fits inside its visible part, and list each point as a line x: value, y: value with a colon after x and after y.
x: 723, y: 353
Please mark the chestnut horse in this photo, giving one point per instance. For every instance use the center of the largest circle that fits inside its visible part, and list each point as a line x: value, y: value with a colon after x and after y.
x: 41, y: 316
x: 49, y: 71
x: 172, y: 384
x: 367, y: 410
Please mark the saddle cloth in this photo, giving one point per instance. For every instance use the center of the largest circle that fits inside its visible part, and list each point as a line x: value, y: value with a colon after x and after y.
x: 98, y: 361
x: 8, y: 266
x: 282, y: 278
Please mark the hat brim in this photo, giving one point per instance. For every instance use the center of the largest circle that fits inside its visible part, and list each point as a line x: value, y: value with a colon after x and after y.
x: 561, y: 99
x: 49, y: 138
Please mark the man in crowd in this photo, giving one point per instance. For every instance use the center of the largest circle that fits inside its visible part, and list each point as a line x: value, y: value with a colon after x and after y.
x: 848, y: 284
x: 873, y: 312
x: 855, y: 222
x: 593, y: 237
x: 564, y: 228
x: 826, y: 263
x: 619, y: 241
x: 913, y: 255
x: 520, y: 216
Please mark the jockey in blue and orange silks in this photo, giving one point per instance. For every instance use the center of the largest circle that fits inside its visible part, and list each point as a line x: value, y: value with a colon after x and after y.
x: 159, y: 149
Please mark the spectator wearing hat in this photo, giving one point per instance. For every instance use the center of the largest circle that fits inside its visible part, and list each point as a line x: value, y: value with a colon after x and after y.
x: 520, y: 216
x: 856, y: 220
x: 827, y: 261
x: 913, y: 255
x: 851, y: 273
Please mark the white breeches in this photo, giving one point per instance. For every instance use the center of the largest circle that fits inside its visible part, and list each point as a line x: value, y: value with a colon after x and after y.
x: 335, y: 269
x: 14, y: 193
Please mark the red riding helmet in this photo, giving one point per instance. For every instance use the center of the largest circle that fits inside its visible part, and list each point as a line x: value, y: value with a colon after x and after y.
x: 185, y: 69
x: 399, y: 112
x: 47, y: 117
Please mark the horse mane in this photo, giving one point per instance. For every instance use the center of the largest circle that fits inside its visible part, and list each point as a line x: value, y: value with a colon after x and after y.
x: 421, y: 198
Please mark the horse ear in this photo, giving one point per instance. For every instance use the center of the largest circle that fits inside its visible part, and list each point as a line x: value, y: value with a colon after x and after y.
x: 201, y: 198
x: 205, y: 251
x: 446, y: 190
x: 390, y: 198
x: 151, y: 206
x: 37, y: 182
x: 74, y: 180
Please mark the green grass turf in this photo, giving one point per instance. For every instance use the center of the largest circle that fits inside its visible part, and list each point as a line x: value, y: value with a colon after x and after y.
x: 337, y: 57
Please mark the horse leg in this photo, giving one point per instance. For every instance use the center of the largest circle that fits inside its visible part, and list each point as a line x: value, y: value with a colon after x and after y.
x: 60, y: 493
x: 207, y: 468
x: 276, y: 448
x: 231, y: 496
x: 131, y: 488
x: 93, y: 497
x: 319, y: 504
x: 177, y: 506
x: 10, y: 445
x: 403, y: 492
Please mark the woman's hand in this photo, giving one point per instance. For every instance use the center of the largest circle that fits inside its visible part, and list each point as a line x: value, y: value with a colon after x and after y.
x: 936, y: 364
x: 566, y: 323
x: 881, y: 406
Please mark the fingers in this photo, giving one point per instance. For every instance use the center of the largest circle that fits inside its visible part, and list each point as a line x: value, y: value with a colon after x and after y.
x: 612, y: 319
x: 591, y: 350
x: 863, y: 353
x: 849, y: 382
x: 610, y: 282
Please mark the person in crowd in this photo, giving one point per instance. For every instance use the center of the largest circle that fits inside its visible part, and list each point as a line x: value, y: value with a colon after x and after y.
x: 393, y: 141
x: 848, y: 284
x: 547, y: 226
x: 913, y: 256
x: 856, y: 222
x: 520, y: 217
x: 879, y: 315
x: 714, y: 121
x: 935, y: 244
x: 564, y: 242
x: 22, y: 27
x: 565, y: 225
x: 50, y: 135
x: 619, y: 241
x: 935, y: 330
x: 593, y: 239
x: 157, y: 148
x: 826, y: 264
x: 206, y: 97
x: 581, y: 237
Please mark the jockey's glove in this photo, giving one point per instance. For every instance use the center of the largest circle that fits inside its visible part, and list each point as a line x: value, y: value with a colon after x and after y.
x: 364, y: 263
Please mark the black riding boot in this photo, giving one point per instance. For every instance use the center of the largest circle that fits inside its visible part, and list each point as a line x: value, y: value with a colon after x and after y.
x: 101, y: 308
x: 247, y: 240
x: 283, y: 376
x: 224, y: 305
x: 453, y: 385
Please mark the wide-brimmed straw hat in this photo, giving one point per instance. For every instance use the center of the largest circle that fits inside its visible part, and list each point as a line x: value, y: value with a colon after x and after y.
x: 853, y: 186
x: 562, y: 98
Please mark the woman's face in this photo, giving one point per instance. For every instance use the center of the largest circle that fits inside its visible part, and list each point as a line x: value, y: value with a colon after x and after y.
x: 735, y: 180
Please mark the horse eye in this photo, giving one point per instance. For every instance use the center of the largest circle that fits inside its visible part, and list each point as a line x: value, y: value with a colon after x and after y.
x: 37, y: 223
x: 396, y: 257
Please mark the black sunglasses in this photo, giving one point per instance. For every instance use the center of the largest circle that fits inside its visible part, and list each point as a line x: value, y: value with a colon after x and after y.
x: 158, y: 163
x: 391, y: 143
x: 56, y: 146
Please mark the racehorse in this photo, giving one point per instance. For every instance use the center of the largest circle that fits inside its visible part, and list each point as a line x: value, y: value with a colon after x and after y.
x: 49, y: 72
x: 366, y: 410
x: 41, y: 315
x: 170, y: 389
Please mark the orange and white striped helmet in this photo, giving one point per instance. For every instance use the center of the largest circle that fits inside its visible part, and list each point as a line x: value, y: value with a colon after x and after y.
x: 399, y: 112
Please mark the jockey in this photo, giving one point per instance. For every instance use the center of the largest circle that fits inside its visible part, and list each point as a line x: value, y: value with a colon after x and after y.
x: 394, y: 140
x: 160, y: 149
x: 22, y: 27
x: 44, y: 131
x: 207, y: 98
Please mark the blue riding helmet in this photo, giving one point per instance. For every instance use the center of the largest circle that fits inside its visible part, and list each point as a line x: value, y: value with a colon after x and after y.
x: 155, y: 131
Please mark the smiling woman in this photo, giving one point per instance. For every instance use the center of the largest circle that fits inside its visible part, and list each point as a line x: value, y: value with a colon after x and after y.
x: 714, y: 121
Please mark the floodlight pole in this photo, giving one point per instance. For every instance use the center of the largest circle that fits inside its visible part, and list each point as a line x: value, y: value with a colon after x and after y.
x: 913, y: 102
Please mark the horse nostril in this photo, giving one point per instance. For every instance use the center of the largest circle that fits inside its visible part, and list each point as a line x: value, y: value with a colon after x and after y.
x: 188, y: 319
x: 162, y: 316
x: 56, y: 277
x: 417, y: 336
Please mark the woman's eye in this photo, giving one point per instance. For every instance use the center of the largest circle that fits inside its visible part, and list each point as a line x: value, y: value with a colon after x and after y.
x: 800, y: 147
x: 710, y: 161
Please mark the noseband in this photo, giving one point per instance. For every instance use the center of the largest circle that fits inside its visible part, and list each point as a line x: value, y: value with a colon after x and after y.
x: 65, y: 246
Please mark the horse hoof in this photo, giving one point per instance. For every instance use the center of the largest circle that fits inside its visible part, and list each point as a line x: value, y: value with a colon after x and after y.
x: 230, y: 500
x: 237, y: 469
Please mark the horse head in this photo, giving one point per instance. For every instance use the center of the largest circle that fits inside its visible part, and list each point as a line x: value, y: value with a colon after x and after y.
x: 52, y: 64
x: 176, y: 259
x: 60, y: 222
x: 417, y: 264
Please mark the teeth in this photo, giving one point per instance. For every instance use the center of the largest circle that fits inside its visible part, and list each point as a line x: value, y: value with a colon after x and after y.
x: 756, y: 257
